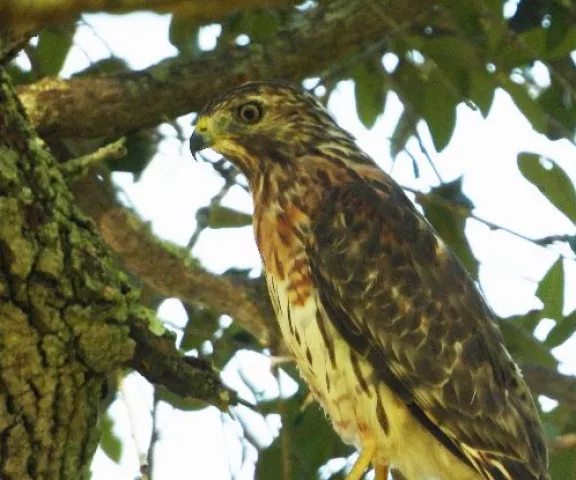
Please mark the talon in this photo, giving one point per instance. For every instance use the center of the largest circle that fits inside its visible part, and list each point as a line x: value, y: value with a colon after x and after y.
x: 362, y: 462
x: 381, y: 472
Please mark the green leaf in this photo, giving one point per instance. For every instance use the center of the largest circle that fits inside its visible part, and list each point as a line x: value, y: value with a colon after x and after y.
x: 110, y: 442
x: 216, y: 216
x: 404, y: 130
x: 572, y: 243
x: 451, y: 50
x: 562, y: 331
x: 562, y: 464
x: 439, y: 109
x: 264, y: 24
x: 409, y: 82
x: 310, y: 442
x: 156, y: 326
x: 451, y: 221
x: 466, y: 16
x: 492, y: 8
x: 141, y: 148
x: 561, y: 38
x: 261, y: 25
x: 183, y: 34
x: 457, y: 58
x: 233, y: 339
x: 369, y: 90
x: 522, y: 50
x: 201, y: 326
x: 526, y: 104
x: 523, y: 346
x: 563, y: 48
x: 482, y: 90
x: 529, y: 321
x: 235, y: 24
x: 550, y: 291
x: 52, y: 49
x: 553, y: 182
x: 556, y: 101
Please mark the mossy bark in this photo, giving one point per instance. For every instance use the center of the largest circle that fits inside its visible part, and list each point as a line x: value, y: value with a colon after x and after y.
x: 63, y: 313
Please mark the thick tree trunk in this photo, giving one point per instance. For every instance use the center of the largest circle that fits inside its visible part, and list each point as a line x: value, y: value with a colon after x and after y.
x: 63, y: 313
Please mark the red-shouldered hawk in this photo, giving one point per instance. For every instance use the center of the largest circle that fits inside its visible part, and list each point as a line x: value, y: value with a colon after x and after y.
x: 388, y: 330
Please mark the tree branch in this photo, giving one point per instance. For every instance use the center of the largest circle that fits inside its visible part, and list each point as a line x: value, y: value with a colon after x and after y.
x: 80, y: 166
x: 14, y: 38
x: 549, y: 382
x: 156, y: 358
x: 170, y: 271
x: 313, y: 41
x: 26, y: 12
x: 563, y: 442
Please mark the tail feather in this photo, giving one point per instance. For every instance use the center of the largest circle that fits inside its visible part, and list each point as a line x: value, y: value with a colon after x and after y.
x: 503, y: 468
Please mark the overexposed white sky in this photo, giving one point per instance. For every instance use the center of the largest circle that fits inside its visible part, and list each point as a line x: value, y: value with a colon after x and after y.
x: 174, y: 186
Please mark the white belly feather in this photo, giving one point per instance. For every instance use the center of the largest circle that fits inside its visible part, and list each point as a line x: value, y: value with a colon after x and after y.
x: 353, y: 410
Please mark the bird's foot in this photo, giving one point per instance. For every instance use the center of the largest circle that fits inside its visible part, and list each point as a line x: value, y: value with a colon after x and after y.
x: 382, y: 472
x: 362, y: 462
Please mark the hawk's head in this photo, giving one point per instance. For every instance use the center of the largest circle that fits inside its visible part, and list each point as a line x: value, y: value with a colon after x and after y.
x: 265, y: 123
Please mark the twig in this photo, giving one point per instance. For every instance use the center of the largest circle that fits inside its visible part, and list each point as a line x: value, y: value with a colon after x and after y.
x: 426, y: 154
x: 465, y: 211
x: 98, y: 36
x: 563, y: 442
x: 550, y: 382
x: 284, y: 435
x: 158, y: 360
x: 78, y: 167
x: 229, y: 175
x: 125, y: 396
x: 154, y: 436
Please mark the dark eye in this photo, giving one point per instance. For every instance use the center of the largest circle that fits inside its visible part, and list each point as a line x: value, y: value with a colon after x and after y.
x: 250, y: 112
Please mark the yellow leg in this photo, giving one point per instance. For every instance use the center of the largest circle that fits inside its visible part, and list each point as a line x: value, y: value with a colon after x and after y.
x: 381, y: 472
x: 362, y: 462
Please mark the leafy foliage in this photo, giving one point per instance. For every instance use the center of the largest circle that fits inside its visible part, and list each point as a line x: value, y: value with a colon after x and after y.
x: 109, y: 441
x: 551, y: 180
x: 458, y: 54
x: 370, y: 91
x: 52, y: 49
x: 445, y: 208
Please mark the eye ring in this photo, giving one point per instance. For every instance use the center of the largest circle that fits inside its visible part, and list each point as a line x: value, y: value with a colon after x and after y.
x: 250, y: 112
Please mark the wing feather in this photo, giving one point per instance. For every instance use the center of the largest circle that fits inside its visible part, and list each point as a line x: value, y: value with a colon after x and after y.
x: 396, y: 293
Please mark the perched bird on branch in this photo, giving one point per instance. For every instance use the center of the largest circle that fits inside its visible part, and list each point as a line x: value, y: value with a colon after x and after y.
x: 388, y: 330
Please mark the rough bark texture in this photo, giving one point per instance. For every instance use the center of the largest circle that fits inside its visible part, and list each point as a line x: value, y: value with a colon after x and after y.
x: 68, y: 318
x: 63, y: 312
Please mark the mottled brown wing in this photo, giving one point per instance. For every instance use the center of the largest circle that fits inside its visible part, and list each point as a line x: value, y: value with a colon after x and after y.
x: 394, y: 291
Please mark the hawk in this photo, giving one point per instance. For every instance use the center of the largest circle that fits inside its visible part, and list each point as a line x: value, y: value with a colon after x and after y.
x: 387, y: 329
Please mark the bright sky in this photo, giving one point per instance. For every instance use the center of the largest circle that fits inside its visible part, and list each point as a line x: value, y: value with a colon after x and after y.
x: 174, y: 186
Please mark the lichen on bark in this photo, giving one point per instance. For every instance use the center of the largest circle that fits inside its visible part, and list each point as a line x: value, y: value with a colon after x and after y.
x: 63, y: 313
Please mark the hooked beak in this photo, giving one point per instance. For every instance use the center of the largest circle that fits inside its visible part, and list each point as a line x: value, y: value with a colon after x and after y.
x: 201, y: 138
